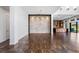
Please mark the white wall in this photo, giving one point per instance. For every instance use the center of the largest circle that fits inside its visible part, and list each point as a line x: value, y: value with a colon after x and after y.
x: 39, y: 24
x: 19, y: 20
x: 18, y: 25
x: 3, y: 19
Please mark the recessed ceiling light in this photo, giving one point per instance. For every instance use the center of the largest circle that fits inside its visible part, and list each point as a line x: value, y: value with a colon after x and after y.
x: 60, y: 8
x: 75, y: 9
x: 67, y: 9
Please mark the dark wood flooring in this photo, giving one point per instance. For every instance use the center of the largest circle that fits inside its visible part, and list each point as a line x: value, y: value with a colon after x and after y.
x: 43, y: 43
x: 4, y: 46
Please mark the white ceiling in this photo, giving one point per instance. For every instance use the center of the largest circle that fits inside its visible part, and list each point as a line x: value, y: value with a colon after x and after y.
x: 60, y: 12
x: 65, y: 12
x: 68, y: 10
x: 62, y: 16
x: 42, y: 9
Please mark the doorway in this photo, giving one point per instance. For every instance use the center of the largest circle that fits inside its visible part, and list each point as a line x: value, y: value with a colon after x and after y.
x: 39, y: 24
x: 39, y: 33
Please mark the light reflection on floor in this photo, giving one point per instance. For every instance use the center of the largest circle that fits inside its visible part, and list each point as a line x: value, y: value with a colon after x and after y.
x: 74, y: 40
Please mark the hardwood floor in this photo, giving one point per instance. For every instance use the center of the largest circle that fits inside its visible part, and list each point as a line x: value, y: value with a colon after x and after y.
x: 39, y: 42
x: 42, y: 43
x: 4, y: 46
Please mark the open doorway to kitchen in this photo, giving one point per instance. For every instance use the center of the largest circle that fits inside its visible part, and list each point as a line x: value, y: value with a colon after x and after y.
x: 39, y: 32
